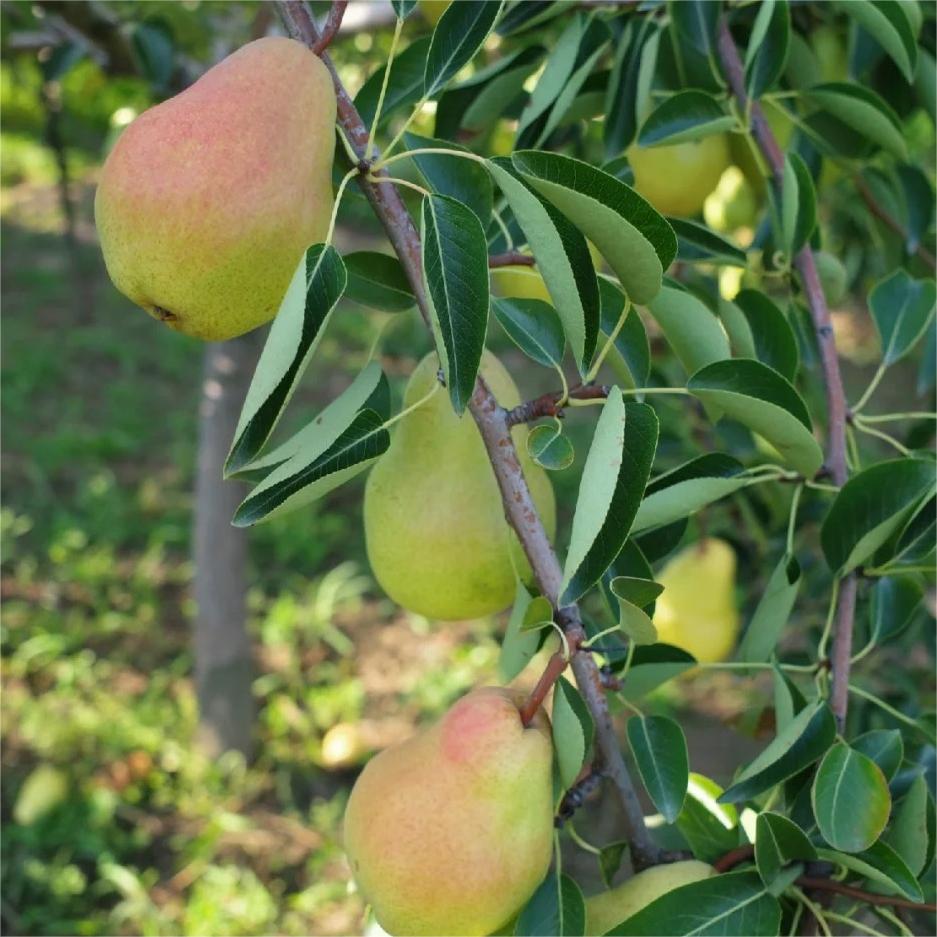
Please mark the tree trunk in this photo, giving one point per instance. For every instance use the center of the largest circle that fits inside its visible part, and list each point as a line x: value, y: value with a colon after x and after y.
x: 223, y: 666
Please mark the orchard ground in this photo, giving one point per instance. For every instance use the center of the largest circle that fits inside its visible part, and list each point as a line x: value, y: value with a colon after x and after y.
x: 100, y: 411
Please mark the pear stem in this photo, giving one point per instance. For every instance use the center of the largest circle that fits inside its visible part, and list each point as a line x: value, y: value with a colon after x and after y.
x: 492, y: 422
x: 837, y: 410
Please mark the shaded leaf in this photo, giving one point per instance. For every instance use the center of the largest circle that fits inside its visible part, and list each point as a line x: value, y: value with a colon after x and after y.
x: 404, y: 86
x: 690, y: 328
x: 773, y: 338
x: 557, y: 907
x: 685, y: 116
x: 768, y: 47
x: 862, y: 110
x: 630, y: 354
x: 572, y: 730
x: 779, y: 841
x: 888, y: 24
x: 377, y: 280
x: 550, y: 448
x: 697, y: 244
x: 534, y: 327
x: 772, y: 613
x: 880, y: 863
x: 902, y: 309
x: 884, y: 747
x: 660, y: 752
x: 458, y: 35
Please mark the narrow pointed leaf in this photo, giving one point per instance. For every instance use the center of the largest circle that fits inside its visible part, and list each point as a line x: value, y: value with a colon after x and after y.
x: 862, y: 110
x: 652, y: 666
x: 772, y: 613
x: 870, y: 507
x: 624, y: 104
x: 630, y: 354
x: 534, y: 327
x: 894, y: 601
x: 635, y: 240
x: 455, y: 269
x: 458, y: 35
x: 563, y: 260
x: 880, y: 864
x: 517, y: 647
x: 888, y: 24
x: 660, y: 752
x: 572, y: 730
x: 404, y: 86
x: 798, y: 746
x: 610, y: 491
x: 313, y: 293
x: 768, y: 47
x: 910, y: 832
x: 765, y: 402
x: 684, y: 117
x: 884, y: 747
x: 772, y: 336
x: 697, y: 244
x: 557, y: 907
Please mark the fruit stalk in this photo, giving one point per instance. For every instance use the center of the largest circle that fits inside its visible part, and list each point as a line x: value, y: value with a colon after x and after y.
x: 837, y: 410
x: 495, y: 431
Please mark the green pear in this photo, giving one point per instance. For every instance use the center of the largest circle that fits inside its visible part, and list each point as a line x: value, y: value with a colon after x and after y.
x: 434, y: 523
x: 697, y: 611
x: 209, y: 200
x: 451, y: 832
x: 606, y: 910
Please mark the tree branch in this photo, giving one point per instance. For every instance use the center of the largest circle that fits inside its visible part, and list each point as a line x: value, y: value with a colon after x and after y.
x: 823, y: 326
x: 510, y: 259
x: 331, y: 27
x: 546, y: 404
x: 496, y: 432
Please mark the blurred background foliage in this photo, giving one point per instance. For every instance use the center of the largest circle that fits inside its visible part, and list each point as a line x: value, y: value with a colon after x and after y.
x: 113, y: 821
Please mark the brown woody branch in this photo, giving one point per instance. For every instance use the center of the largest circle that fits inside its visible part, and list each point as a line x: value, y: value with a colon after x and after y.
x: 510, y: 259
x: 331, y: 27
x: 548, y: 404
x: 823, y: 326
x: 886, y: 218
x: 496, y: 433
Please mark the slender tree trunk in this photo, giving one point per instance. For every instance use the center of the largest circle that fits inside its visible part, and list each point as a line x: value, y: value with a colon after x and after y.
x: 223, y: 666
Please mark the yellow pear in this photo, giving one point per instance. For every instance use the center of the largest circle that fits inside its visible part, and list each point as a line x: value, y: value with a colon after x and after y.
x: 608, y: 909
x: 732, y: 204
x: 696, y: 611
x: 209, y: 200
x: 520, y: 282
x: 434, y: 524
x: 742, y: 151
x: 451, y: 832
x: 676, y: 179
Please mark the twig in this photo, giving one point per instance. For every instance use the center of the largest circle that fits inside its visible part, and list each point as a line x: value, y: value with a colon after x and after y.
x: 745, y: 853
x: 823, y: 326
x: 510, y: 259
x: 576, y: 796
x: 869, y: 198
x: 546, y: 404
x: 496, y: 433
x: 555, y: 666
x: 331, y: 27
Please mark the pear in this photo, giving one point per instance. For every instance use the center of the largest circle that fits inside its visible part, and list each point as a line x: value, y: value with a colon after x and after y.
x: 451, y: 832
x: 696, y: 611
x: 520, y: 282
x: 610, y: 908
x: 209, y: 200
x: 434, y: 524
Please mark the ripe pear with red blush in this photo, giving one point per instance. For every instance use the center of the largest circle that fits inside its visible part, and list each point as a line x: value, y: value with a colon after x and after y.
x: 209, y: 200
x: 451, y: 832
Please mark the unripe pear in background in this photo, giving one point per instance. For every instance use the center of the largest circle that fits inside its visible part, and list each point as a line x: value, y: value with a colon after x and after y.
x: 451, y: 832
x: 697, y: 611
x: 209, y: 200
x: 676, y: 179
x: 606, y: 910
x: 434, y: 523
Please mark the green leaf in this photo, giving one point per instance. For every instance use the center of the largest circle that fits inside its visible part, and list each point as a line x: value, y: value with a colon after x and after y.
x: 455, y: 269
x: 610, y: 491
x: 768, y: 47
x: 630, y: 354
x: 695, y: 21
x: 710, y: 828
x: 773, y: 611
x: 772, y: 337
x: 902, y: 308
x: 523, y: 16
x: 660, y: 752
x: 639, y: 591
x: 549, y: 447
x: 572, y: 730
x: 690, y: 328
x: 403, y: 8
x: 458, y: 35
x: 652, y: 666
x: 687, y: 488
x: 894, y: 600
x: 796, y: 747
x: 610, y: 857
x: 870, y: 507
x: 563, y: 260
x: 884, y: 747
x: 850, y: 799
x: 404, y: 86
x: 882, y: 865
x: 862, y: 110
x: 625, y: 102
x: 779, y: 841
x: 799, y: 203
x: 538, y: 616
x: 152, y: 47
x: 340, y: 443
x: 909, y: 834
x: 637, y: 585
x: 377, y: 280
x: 697, y: 244
x: 735, y: 903
x: 887, y: 23
x: 464, y: 180
x: 557, y: 907
x: 313, y: 293
x: 684, y: 117
x: 517, y: 647
x: 534, y: 327
x: 635, y: 240
x: 636, y: 623
x: 765, y: 402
